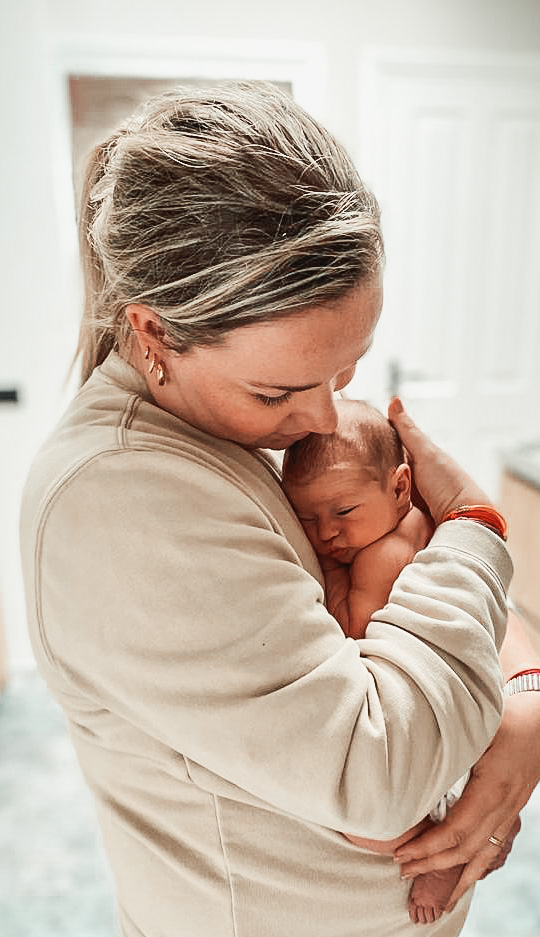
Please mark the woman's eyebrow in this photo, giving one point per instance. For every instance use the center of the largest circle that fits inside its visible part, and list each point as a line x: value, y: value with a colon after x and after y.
x: 289, y: 387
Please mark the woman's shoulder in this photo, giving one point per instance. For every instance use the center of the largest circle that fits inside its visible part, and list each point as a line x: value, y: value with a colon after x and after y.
x: 114, y: 444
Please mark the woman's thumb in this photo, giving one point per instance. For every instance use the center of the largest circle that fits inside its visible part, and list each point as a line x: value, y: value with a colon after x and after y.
x: 395, y: 407
x: 400, y: 419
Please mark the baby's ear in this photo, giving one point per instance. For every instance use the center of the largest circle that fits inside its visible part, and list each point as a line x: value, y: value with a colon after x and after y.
x: 401, y: 484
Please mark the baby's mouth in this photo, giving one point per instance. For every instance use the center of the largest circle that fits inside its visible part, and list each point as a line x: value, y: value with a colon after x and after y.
x: 335, y: 550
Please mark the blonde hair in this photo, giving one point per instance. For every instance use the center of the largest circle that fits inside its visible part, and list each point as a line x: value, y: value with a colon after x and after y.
x: 363, y: 436
x: 219, y: 208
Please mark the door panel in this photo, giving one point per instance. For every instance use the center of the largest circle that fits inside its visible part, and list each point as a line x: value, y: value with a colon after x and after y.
x: 453, y: 155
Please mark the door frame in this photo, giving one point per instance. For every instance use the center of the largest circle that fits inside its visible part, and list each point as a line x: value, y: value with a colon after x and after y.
x: 302, y: 64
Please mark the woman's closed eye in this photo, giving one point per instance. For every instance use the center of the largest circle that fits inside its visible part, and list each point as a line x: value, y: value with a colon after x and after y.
x: 344, y: 511
x: 274, y: 401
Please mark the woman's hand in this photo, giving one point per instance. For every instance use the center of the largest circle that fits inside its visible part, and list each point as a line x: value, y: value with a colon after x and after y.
x: 500, y: 784
x: 440, y: 481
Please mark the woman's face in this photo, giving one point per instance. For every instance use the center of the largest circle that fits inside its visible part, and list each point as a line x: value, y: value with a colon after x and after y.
x: 268, y: 385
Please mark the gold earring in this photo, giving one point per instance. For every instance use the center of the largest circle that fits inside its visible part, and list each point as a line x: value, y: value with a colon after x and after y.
x: 147, y: 352
x: 160, y: 374
x: 152, y: 363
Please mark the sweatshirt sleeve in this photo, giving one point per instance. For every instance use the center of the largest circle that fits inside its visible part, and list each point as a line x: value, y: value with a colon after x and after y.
x: 176, y: 602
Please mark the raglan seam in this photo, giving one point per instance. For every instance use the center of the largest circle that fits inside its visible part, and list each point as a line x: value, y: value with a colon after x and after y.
x: 126, y: 422
x: 52, y: 496
x: 66, y: 480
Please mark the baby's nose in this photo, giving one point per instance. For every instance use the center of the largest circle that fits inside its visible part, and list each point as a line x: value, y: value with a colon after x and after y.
x: 328, y: 529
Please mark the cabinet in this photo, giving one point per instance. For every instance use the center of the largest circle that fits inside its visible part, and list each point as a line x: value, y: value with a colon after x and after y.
x: 520, y: 503
x: 3, y: 663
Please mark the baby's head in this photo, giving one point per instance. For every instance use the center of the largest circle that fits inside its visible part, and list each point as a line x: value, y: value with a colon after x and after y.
x: 351, y: 487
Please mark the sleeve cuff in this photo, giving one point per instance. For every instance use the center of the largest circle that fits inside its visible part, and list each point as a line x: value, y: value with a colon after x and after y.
x: 473, y: 538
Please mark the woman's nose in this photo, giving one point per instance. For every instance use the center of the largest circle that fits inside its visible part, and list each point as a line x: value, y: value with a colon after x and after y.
x: 319, y: 414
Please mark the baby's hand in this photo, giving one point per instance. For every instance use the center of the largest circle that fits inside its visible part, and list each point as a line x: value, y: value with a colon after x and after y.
x: 337, y: 580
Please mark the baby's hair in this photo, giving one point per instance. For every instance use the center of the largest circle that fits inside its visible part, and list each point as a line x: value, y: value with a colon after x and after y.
x: 363, y: 435
x: 219, y: 208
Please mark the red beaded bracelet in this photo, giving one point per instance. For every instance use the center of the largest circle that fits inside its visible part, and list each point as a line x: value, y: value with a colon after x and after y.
x: 483, y: 513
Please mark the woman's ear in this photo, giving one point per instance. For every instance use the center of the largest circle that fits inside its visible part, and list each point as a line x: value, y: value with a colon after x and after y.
x: 145, y: 325
x: 401, y: 485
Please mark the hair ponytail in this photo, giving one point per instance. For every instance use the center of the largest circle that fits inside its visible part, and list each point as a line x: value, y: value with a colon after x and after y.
x: 97, y: 335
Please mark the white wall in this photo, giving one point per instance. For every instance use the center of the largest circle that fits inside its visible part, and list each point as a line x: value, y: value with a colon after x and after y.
x: 38, y: 312
x: 346, y: 27
x: 36, y: 329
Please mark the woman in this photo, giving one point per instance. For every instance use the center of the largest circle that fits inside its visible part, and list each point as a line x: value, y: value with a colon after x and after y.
x: 225, y: 725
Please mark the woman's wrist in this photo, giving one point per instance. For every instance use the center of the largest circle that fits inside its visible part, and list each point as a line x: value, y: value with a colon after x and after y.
x: 484, y: 514
x: 519, y: 651
x: 521, y: 723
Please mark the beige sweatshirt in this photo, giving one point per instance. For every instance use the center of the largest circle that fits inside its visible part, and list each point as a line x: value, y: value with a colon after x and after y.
x: 225, y: 725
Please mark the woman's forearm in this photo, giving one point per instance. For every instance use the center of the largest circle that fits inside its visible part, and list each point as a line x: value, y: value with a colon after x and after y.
x: 518, y: 651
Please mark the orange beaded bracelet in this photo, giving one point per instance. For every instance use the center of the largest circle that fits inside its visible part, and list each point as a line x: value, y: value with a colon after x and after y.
x: 483, y: 513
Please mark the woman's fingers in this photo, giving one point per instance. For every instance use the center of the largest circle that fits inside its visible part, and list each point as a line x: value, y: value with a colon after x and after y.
x: 460, y: 840
x: 481, y: 860
x: 505, y: 850
x: 479, y: 830
x: 441, y: 482
x: 488, y: 807
x: 474, y: 870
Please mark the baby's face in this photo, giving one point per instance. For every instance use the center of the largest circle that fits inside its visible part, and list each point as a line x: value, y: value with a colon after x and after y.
x: 342, y: 510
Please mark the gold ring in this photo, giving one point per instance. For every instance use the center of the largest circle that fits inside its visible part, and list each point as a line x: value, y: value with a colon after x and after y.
x: 495, y: 841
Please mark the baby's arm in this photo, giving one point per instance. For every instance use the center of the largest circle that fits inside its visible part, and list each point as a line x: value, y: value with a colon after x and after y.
x: 373, y: 573
x: 376, y: 567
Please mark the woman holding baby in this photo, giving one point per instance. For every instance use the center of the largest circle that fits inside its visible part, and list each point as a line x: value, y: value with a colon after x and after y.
x: 226, y: 726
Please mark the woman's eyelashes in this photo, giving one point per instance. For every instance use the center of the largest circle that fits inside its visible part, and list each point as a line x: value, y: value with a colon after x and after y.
x: 274, y: 401
x: 341, y: 381
x: 344, y: 511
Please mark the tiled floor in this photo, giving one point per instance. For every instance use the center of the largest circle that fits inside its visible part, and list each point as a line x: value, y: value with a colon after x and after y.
x: 53, y: 877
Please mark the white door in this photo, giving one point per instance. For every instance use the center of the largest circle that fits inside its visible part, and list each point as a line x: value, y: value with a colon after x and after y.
x: 452, y: 152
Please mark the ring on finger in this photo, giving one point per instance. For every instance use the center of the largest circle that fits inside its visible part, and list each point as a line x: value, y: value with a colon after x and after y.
x: 495, y: 841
